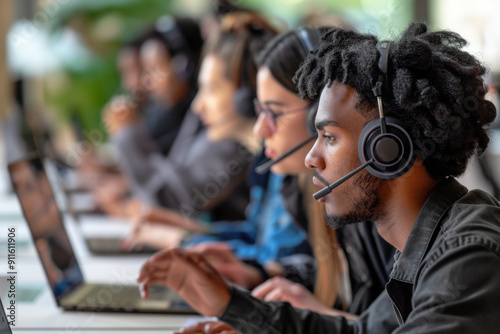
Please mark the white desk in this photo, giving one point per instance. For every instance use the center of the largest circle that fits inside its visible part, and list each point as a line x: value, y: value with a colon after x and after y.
x: 9, y: 206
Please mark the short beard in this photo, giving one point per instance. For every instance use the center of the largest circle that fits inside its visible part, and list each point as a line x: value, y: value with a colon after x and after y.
x: 365, y: 204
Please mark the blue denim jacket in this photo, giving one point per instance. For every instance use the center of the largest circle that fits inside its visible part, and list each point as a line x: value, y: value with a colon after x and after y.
x: 269, y: 232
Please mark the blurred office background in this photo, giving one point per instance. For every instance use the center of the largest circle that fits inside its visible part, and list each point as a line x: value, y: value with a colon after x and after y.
x: 58, y: 57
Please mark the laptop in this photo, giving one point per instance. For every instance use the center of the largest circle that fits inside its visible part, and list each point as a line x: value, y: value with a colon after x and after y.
x: 58, y: 259
x: 71, y: 198
x: 110, y: 246
x: 4, y: 322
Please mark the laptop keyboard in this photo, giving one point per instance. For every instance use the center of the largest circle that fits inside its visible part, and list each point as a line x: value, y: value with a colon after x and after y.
x: 119, y: 297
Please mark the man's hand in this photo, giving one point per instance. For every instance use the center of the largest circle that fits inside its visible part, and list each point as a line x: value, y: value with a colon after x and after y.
x: 221, y: 256
x: 188, y: 273
x: 210, y: 327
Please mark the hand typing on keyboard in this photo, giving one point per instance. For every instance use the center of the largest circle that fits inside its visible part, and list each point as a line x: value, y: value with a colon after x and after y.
x: 190, y: 274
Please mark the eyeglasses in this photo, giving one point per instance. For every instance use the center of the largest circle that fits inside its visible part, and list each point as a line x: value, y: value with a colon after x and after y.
x: 272, y: 116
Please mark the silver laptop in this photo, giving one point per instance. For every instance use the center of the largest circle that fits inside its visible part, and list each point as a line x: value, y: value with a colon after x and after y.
x: 53, y: 245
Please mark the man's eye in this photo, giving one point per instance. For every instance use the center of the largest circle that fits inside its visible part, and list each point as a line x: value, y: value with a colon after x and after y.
x: 329, y: 139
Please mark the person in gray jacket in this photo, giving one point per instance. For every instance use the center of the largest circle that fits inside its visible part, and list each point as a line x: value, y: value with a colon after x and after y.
x: 394, y: 151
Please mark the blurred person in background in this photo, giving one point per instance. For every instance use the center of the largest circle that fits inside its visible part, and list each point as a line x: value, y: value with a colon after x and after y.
x: 158, y: 70
x: 186, y: 174
x: 170, y: 58
x: 273, y: 229
x: 109, y: 185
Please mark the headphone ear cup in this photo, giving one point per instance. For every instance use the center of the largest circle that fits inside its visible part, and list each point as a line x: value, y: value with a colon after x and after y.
x: 392, y: 152
x: 312, y: 110
x: 243, y: 102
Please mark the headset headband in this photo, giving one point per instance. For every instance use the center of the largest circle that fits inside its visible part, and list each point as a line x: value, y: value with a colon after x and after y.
x: 383, y: 64
x: 309, y: 37
x: 167, y: 26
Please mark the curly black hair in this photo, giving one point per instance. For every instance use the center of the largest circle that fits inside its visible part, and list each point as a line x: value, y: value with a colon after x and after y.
x: 435, y: 88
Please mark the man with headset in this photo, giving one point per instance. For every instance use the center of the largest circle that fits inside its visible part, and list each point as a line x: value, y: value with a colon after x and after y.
x: 397, y: 148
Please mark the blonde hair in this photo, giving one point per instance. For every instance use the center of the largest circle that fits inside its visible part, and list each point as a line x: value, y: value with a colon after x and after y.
x: 327, y: 251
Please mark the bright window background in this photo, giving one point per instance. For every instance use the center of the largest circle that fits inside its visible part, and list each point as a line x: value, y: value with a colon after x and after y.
x: 381, y: 17
x: 477, y: 21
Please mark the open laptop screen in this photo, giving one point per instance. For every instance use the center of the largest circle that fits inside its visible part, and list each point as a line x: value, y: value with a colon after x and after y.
x: 32, y: 187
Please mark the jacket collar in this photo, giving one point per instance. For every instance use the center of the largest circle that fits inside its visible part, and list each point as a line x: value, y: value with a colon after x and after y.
x: 428, y: 220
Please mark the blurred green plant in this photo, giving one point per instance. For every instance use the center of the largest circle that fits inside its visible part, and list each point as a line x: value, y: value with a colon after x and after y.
x: 103, y: 26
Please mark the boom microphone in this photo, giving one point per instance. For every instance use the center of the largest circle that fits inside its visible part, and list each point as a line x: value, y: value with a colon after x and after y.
x: 328, y: 189
x: 263, y: 168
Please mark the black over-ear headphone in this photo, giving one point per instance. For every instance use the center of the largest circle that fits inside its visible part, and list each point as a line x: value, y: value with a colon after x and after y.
x: 243, y: 101
x: 385, y: 148
x: 182, y: 62
x: 384, y: 140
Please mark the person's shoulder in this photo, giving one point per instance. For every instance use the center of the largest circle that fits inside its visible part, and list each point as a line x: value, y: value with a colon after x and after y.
x: 480, y: 198
x: 469, y: 232
x: 477, y: 212
x: 473, y: 221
